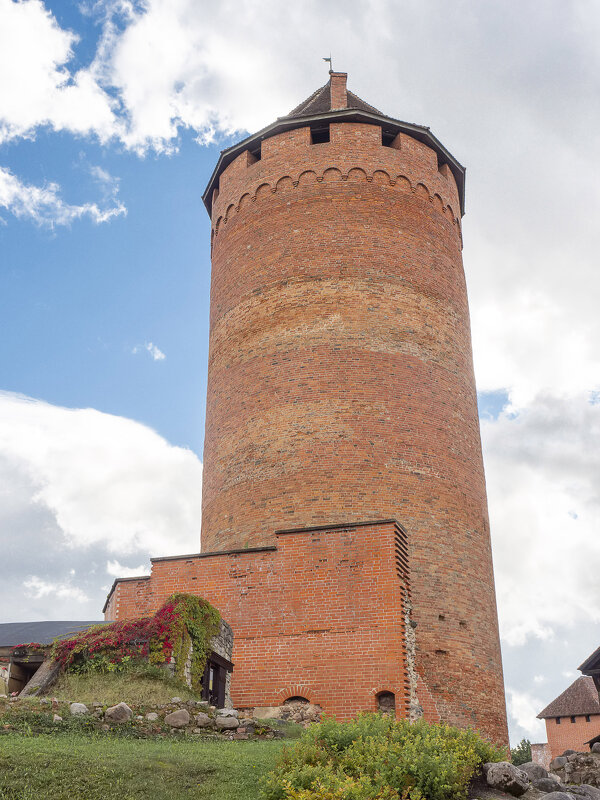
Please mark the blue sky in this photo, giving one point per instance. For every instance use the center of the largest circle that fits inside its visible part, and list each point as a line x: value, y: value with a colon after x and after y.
x: 76, y: 302
x: 112, y: 116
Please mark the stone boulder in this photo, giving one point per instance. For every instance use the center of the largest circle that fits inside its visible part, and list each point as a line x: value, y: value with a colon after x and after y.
x: 596, y: 747
x: 118, y: 714
x: 508, y: 778
x: 152, y: 716
x: 178, y: 719
x: 203, y: 720
x: 559, y: 796
x: 557, y: 763
x: 585, y: 791
x: 78, y: 709
x: 267, y: 712
x: 580, y: 768
x: 227, y: 712
x: 535, y: 771
x: 548, y: 784
x: 226, y: 723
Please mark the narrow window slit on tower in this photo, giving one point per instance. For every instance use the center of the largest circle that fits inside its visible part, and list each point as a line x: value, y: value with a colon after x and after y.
x: 255, y: 152
x: 387, y: 137
x: 319, y: 134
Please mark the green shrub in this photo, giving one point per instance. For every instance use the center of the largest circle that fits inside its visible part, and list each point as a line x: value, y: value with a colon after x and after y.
x: 376, y: 758
x: 521, y: 754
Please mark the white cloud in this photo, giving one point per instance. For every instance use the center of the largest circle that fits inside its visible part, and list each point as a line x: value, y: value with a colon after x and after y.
x: 36, y: 86
x: 39, y: 588
x: 118, y: 570
x: 104, y: 481
x: 523, y: 708
x: 43, y: 204
x: 542, y: 464
x: 155, y: 352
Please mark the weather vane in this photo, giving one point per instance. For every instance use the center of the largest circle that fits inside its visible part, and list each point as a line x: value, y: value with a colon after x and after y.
x: 330, y: 63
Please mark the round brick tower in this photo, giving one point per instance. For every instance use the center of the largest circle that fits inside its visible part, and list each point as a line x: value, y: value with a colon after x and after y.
x: 340, y: 383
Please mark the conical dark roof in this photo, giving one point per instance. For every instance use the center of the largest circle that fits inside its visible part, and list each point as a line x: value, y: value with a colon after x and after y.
x: 580, y: 698
x: 319, y: 102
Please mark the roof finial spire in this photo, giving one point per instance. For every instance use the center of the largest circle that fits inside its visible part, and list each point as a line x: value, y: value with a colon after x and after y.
x: 330, y: 63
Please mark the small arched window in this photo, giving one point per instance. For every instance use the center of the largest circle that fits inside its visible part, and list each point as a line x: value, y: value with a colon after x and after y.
x: 386, y: 702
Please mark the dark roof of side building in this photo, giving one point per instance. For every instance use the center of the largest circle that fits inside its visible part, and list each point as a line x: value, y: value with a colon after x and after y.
x: 580, y: 698
x: 591, y: 664
x: 15, y: 633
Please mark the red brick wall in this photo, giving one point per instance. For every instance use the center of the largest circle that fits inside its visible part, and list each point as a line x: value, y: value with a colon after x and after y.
x: 571, y: 735
x: 320, y: 616
x: 128, y: 599
x: 341, y: 384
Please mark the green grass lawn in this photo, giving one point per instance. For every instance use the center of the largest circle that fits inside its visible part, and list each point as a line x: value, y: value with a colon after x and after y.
x: 75, y: 767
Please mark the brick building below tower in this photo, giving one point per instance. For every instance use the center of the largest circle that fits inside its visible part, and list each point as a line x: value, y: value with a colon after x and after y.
x: 322, y: 615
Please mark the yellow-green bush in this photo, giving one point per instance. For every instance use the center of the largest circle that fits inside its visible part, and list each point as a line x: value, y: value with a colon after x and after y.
x: 377, y: 758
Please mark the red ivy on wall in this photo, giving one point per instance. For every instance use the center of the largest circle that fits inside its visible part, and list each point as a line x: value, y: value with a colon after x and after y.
x: 150, y: 638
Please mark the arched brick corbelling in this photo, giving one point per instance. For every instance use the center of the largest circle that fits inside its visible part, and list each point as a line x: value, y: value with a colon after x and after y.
x: 304, y: 176
x: 245, y: 199
x: 355, y: 172
x: 382, y: 176
x: 403, y: 183
x: 332, y: 173
x: 286, y: 182
x: 264, y: 189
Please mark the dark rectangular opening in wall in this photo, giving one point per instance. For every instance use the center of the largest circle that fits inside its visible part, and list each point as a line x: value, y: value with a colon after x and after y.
x: 319, y: 134
x: 255, y: 151
x: 387, y: 137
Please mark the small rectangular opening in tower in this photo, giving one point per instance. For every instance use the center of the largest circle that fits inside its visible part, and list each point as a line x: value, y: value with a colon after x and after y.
x: 255, y: 151
x: 319, y: 134
x: 387, y: 137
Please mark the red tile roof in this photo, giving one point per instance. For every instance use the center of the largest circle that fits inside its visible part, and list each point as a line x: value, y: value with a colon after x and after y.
x: 580, y: 698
